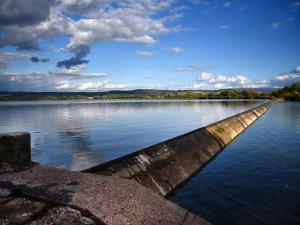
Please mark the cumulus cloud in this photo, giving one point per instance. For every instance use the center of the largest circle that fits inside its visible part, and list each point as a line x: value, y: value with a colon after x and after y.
x: 7, y: 57
x: 200, y: 2
x: 26, y: 37
x: 80, y: 52
x: 176, y: 50
x: 25, y: 22
x: 145, y: 53
x: 274, y: 25
x: 63, y: 80
x: 295, y: 5
x: 205, y: 76
x: 76, y: 79
x: 227, y: 4
x: 243, y: 7
x: 37, y: 59
x: 296, y: 70
x: 189, y: 68
x: 47, y: 81
x: 34, y: 59
x: 77, y: 72
x: 286, y: 77
x: 90, y: 86
x: 24, y: 12
x: 211, y: 81
x: 223, y: 27
x: 179, y: 8
x: 84, y: 7
x: 285, y: 80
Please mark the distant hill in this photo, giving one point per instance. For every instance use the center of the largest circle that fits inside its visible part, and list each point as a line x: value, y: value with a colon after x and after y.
x: 139, y: 94
x: 264, y: 90
x: 138, y: 91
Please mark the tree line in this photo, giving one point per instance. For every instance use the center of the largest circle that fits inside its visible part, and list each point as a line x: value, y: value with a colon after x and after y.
x: 291, y: 93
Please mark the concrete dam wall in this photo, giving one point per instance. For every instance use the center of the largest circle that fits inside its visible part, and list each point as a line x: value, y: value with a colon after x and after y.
x: 165, y: 166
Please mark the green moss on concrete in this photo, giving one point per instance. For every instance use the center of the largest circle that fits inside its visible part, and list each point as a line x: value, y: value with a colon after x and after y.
x: 220, y: 129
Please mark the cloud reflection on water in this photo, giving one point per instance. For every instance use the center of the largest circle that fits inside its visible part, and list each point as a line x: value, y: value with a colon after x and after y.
x: 77, y: 135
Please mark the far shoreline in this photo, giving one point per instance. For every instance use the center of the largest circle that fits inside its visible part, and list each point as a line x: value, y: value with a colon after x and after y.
x: 289, y: 93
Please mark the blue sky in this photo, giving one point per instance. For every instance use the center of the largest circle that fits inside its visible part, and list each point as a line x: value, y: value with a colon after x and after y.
x: 97, y: 45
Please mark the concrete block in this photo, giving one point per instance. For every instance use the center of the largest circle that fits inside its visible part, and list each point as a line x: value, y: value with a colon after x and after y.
x: 15, y: 151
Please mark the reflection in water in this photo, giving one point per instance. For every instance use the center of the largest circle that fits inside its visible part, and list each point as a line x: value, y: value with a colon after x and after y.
x: 79, y: 134
x: 256, y: 179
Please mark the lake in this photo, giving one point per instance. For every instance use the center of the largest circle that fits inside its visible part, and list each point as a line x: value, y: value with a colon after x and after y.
x: 256, y: 179
x: 79, y: 134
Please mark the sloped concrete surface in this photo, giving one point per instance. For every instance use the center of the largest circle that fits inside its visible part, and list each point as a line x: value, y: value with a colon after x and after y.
x: 102, y: 199
x: 165, y: 166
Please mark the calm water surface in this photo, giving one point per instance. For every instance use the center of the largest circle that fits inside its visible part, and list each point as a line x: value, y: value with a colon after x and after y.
x: 256, y: 179
x: 79, y: 134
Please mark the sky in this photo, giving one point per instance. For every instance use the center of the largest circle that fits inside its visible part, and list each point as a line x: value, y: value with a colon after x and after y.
x: 101, y: 45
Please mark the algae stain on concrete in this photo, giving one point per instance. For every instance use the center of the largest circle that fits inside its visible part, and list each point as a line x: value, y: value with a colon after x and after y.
x: 220, y: 129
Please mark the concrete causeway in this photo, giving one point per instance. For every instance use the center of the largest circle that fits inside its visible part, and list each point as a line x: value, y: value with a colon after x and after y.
x: 128, y: 190
x: 165, y: 166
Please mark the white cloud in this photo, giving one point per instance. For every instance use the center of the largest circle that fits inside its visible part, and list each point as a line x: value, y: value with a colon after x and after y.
x: 7, y: 57
x: 177, y: 50
x: 227, y: 4
x: 223, y: 27
x: 46, y: 81
x: 121, y: 21
x: 283, y: 77
x: 211, y: 81
x: 205, y: 76
x: 77, y: 71
x: 200, y: 2
x: 105, y: 85
x: 89, y: 86
x: 145, y: 53
x: 179, y: 8
x: 82, y: 81
x: 189, y: 68
x: 242, y: 8
x: 274, y: 25
x: 295, y: 5
x: 284, y: 80
x: 296, y: 70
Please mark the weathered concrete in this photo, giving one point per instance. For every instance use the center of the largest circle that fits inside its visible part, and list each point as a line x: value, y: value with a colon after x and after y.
x: 15, y: 152
x: 62, y: 215
x: 101, y: 199
x: 21, y: 210
x: 164, y: 166
x: 25, y: 210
